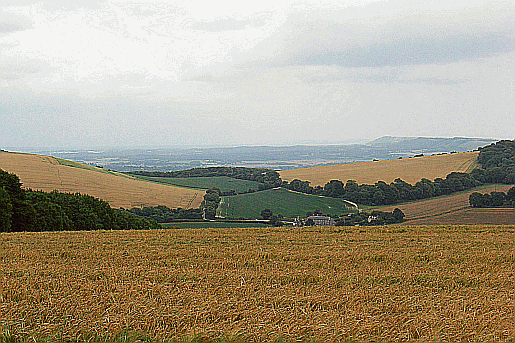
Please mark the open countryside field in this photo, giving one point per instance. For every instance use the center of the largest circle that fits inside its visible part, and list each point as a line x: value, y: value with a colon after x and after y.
x: 280, y: 201
x: 398, y: 283
x: 224, y: 183
x: 470, y: 216
x: 431, y: 208
x: 410, y: 170
x: 48, y: 173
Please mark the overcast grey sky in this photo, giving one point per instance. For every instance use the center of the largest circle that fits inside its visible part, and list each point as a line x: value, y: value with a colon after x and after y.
x: 158, y: 73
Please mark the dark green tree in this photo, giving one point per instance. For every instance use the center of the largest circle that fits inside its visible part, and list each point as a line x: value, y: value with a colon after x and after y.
x: 266, y: 213
x: 6, y: 211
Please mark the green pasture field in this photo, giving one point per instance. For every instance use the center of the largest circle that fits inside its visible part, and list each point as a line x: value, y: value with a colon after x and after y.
x: 224, y: 183
x: 213, y: 225
x: 280, y: 201
x: 85, y: 166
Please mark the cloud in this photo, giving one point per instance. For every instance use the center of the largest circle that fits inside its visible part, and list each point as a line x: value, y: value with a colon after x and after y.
x: 380, y: 35
x: 13, y: 22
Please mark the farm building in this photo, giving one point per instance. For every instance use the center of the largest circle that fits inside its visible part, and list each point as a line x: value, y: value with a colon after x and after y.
x: 322, y: 220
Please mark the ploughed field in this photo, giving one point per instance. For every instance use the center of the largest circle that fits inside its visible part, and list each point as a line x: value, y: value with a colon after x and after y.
x: 47, y: 173
x: 442, y: 210
x: 439, y: 283
x: 410, y: 170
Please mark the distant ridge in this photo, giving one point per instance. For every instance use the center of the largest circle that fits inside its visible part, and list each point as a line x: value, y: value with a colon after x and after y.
x: 429, y: 144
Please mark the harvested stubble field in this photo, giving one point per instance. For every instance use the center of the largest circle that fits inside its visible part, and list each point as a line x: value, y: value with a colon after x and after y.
x: 443, y: 283
x: 47, y: 173
x: 431, y: 209
x: 471, y: 216
x: 410, y: 170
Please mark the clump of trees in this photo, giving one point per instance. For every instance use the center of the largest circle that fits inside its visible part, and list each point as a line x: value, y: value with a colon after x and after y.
x: 210, y: 203
x: 494, y: 199
x: 27, y: 210
x: 497, y: 162
x: 273, y: 219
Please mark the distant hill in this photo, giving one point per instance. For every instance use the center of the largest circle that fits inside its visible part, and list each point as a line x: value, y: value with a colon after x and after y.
x: 428, y: 145
x: 410, y: 170
x: 272, y: 157
x: 47, y: 173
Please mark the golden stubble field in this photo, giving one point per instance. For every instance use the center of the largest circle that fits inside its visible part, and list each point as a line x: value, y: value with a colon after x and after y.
x: 441, y: 283
x: 410, y: 170
x: 46, y: 173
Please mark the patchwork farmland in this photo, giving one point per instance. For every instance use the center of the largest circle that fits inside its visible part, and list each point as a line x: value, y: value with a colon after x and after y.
x: 48, y: 173
x: 397, y: 283
x: 410, y: 170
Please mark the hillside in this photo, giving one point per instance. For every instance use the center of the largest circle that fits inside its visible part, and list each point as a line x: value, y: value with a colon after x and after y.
x: 224, y: 183
x: 410, y: 170
x: 283, y: 201
x: 48, y: 173
x: 429, y: 144
x: 442, y: 209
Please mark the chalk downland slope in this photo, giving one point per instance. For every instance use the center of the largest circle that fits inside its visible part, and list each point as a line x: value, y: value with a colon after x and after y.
x: 47, y: 173
x: 454, y: 209
x: 410, y: 170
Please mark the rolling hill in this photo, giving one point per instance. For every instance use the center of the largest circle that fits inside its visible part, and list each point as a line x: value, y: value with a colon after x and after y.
x: 410, y: 170
x: 48, y: 173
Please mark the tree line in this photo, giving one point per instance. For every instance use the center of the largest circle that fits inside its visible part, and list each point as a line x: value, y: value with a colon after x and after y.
x: 28, y: 210
x: 163, y: 214
x: 497, y: 165
x: 494, y: 199
x: 267, y: 177
x: 382, y: 193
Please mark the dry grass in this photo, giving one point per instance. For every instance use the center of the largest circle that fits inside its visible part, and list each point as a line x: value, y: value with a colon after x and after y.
x: 46, y: 173
x: 450, y: 284
x: 442, y: 205
x: 410, y: 170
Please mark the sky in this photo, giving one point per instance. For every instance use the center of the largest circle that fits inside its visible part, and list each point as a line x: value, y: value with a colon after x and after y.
x: 83, y: 74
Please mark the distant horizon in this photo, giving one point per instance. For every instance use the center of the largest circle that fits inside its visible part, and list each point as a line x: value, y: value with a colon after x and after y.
x: 29, y: 149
